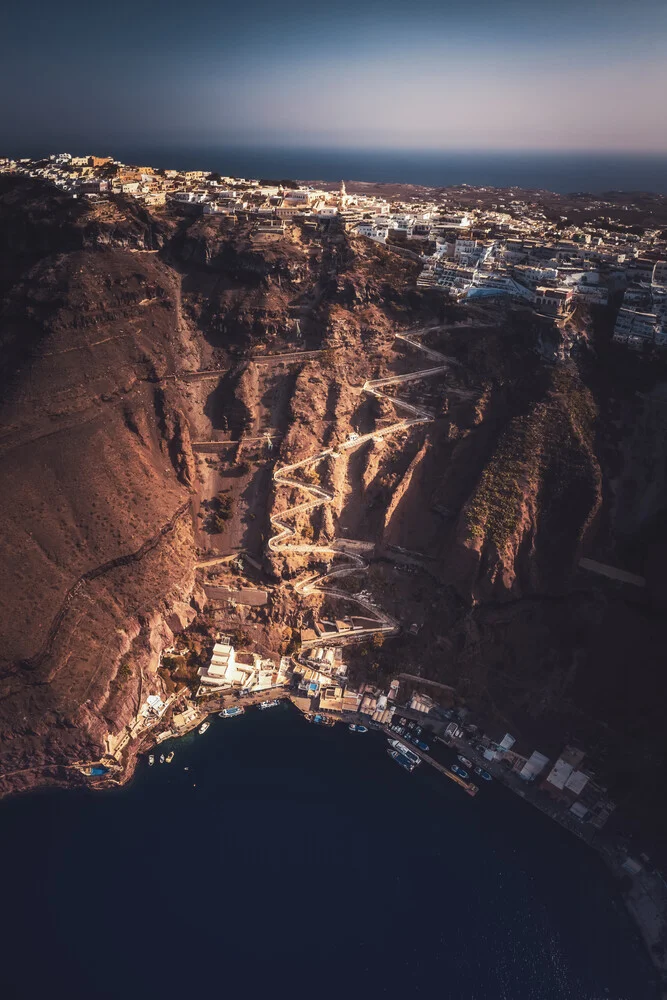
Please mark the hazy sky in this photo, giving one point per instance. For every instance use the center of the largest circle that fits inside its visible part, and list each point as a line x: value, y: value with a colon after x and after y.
x: 359, y: 73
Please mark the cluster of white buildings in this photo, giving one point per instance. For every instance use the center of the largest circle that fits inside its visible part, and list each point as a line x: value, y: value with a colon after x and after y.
x: 642, y: 318
x: 504, y: 250
x: 566, y: 780
x: 248, y: 672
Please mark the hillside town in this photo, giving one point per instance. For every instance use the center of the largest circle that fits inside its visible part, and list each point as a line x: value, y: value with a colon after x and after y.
x: 507, y: 248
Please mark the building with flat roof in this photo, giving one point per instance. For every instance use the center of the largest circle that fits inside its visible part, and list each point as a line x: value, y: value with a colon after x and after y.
x: 534, y: 766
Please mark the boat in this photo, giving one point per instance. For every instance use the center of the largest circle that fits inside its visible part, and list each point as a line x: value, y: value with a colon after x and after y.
x: 422, y: 746
x: 483, y: 774
x: 464, y: 760
x: 406, y: 751
x: 169, y: 757
x: 357, y: 729
x: 320, y: 720
x: 162, y: 758
x: 231, y: 713
x: 269, y: 704
x: 401, y: 759
x: 151, y: 760
x: 459, y: 770
x: 202, y: 729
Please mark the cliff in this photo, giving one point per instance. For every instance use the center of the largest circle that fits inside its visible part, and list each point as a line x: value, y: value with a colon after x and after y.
x: 473, y: 492
x: 97, y: 542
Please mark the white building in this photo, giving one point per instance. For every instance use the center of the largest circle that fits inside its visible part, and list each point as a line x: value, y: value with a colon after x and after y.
x: 636, y: 329
x: 502, y: 283
x: 222, y: 671
x: 251, y: 673
x: 533, y: 766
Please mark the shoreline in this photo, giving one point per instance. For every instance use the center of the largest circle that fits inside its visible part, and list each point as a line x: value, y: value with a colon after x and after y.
x: 643, y: 911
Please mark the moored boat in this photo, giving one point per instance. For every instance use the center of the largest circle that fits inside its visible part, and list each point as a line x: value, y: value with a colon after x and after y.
x: 231, y: 713
x: 151, y: 760
x: 401, y: 759
x: 357, y: 729
x: 464, y: 760
x: 406, y: 751
x: 162, y: 758
x: 319, y: 719
x: 460, y: 771
x: 169, y: 757
x: 202, y: 729
x: 269, y: 704
x: 483, y: 774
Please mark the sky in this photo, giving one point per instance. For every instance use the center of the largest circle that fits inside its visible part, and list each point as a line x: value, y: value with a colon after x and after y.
x: 416, y: 74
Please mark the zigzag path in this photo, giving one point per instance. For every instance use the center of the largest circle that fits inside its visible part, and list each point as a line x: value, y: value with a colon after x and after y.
x: 349, y: 549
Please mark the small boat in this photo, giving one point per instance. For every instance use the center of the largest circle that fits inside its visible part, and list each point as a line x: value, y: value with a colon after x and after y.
x: 202, y: 729
x: 151, y: 760
x: 357, y: 729
x: 464, y: 760
x: 169, y: 757
x: 422, y: 746
x: 401, y: 759
x: 231, y: 713
x: 483, y: 774
x: 406, y: 752
x: 162, y: 758
x: 186, y: 768
x: 459, y: 770
x: 269, y: 704
x: 321, y: 720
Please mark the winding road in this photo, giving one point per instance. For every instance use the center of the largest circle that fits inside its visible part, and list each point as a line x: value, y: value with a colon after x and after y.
x: 348, y: 549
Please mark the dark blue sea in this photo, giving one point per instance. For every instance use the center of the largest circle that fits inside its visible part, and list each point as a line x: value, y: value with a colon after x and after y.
x: 552, y: 171
x: 561, y: 172
x: 293, y: 861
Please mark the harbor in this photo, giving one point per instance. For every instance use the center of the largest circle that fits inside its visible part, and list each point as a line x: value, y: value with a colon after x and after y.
x: 266, y: 803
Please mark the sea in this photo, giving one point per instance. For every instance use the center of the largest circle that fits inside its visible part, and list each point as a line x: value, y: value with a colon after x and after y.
x: 273, y: 859
x: 563, y: 172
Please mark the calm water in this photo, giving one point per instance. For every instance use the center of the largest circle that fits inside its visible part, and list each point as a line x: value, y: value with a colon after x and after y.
x: 562, y: 172
x: 300, y: 862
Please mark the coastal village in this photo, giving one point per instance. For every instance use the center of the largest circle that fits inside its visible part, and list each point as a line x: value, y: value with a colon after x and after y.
x: 419, y: 730
x: 493, y: 250
x: 500, y: 250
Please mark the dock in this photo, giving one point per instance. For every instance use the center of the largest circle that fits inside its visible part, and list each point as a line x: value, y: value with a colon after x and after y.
x: 468, y: 786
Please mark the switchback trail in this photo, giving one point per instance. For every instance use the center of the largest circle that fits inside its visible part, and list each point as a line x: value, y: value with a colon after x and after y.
x: 349, y: 550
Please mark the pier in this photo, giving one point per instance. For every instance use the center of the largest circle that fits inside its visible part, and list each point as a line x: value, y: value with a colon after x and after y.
x: 468, y: 786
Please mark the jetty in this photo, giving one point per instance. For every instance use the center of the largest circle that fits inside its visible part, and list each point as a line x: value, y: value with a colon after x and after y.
x: 468, y: 786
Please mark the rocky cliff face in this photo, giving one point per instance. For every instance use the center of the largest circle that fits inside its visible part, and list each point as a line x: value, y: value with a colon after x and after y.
x: 473, y: 521
x: 97, y: 542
